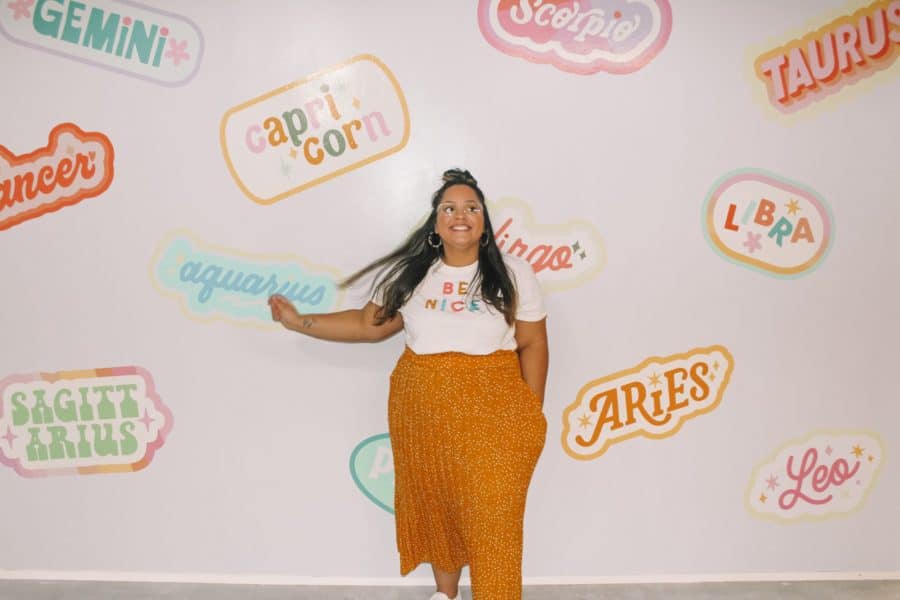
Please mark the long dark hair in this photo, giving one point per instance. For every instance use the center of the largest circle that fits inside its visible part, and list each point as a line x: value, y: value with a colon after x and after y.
x: 402, y: 270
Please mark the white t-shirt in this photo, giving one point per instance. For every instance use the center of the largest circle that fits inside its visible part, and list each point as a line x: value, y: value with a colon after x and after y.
x: 444, y: 315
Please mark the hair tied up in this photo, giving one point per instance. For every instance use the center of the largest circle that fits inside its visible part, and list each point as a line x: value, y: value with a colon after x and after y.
x: 459, y: 176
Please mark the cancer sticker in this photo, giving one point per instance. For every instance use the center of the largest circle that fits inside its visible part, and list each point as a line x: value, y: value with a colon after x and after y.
x: 73, y: 166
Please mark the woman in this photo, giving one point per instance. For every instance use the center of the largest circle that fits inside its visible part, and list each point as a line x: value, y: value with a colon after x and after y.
x: 465, y: 408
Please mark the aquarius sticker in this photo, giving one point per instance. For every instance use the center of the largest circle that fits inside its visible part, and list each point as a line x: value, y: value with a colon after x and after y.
x: 825, y: 474
x: 768, y: 223
x: 73, y: 166
x: 81, y: 422
x: 563, y: 256
x: 372, y: 469
x: 212, y: 282
x: 616, y: 36
x: 313, y: 130
x: 823, y: 62
x: 652, y: 400
x: 118, y: 35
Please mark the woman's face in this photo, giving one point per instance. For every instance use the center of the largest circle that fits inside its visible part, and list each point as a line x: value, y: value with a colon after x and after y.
x: 460, y: 217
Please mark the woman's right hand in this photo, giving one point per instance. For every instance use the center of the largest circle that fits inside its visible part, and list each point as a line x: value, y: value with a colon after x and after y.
x: 283, y: 310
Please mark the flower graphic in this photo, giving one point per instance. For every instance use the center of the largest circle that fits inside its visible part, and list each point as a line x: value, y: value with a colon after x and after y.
x: 752, y: 244
x: 177, y: 52
x: 20, y: 8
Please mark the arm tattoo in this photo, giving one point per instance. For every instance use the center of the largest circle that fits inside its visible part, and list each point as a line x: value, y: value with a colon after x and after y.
x: 307, y: 322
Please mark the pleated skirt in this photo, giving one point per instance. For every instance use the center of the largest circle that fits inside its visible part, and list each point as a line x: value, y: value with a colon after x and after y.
x: 466, y: 433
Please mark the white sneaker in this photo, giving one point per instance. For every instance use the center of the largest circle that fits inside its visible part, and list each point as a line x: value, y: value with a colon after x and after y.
x: 443, y: 596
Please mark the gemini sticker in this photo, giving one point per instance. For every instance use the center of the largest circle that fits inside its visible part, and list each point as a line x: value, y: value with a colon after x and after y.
x: 372, y: 469
x: 767, y: 223
x: 563, y: 256
x: 823, y: 62
x: 652, y: 399
x: 826, y: 474
x: 315, y: 129
x: 616, y: 36
x: 73, y: 166
x: 81, y: 422
x: 118, y: 35
x: 212, y: 282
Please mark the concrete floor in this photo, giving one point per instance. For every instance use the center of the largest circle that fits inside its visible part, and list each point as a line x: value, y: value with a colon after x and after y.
x: 832, y: 590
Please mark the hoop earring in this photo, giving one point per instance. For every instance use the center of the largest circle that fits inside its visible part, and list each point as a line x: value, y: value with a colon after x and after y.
x: 484, y: 240
x: 431, y: 241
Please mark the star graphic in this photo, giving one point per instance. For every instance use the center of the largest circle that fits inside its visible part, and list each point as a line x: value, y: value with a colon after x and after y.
x: 752, y: 243
x: 582, y: 255
x: 772, y: 482
x: 356, y: 103
x: 10, y: 436
x: 576, y: 247
x: 654, y: 379
x: 716, y: 366
x: 858, y: 451
x: 293, y: 153
x: 584, y: 421
x: 871, y: 458
x: 829, y: 450
x: 793, y: 207
x: 762, y: 498
x: 712, y: 376
x: 20, y: 8
x: 177, y: 52
x: 147, y: 419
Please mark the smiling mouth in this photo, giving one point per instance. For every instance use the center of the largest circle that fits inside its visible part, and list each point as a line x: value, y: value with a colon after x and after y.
x: 460, y: 228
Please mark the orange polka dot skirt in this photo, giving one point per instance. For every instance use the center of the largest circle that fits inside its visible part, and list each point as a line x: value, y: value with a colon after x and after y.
x: 466, y: 432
